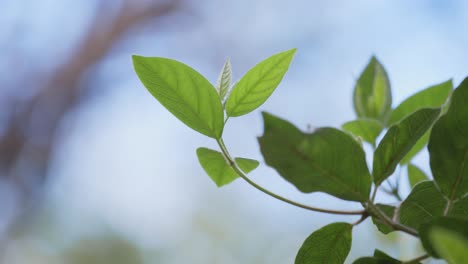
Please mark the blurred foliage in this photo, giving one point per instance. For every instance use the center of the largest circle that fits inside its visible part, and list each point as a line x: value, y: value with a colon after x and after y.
x: 103, y: 250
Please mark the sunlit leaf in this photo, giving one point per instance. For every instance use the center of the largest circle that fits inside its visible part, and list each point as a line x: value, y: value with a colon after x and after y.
x: 415, y: 175
x: 218, y: 169
x: 224, y: 80
x: 184, y: 92
x: 258, y: 84
x: 431, y: 97
x: 316, y: 162
x: 330, y: 244
x: 372, y: 93
x: 367, y: 129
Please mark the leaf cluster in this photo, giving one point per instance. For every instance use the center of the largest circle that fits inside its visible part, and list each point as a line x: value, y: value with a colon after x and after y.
x: 333, y: 160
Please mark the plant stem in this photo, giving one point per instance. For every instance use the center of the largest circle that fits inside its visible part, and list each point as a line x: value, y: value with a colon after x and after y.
x: 362, y: 219
x: 415, y: 260
x: 374, y: 210
x: 393, y: 192
x: 239, y: 171
x: 374, y: 193
x: 447, y: 207
x: 397, y: 195
x: 370, y: 209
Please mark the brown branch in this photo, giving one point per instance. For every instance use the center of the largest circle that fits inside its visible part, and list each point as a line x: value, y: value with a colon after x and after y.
x: 40, y: 116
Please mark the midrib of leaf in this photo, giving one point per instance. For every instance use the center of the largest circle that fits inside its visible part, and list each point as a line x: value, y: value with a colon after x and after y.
x: 362, y: 105
x: 194, y: 111
x: 459, y: 177
x: 325, y: 172
x: 358, y: 105
x: 224, y: 82
x: 371, y: 103
x: 255, y: 84
x: 378, y: 70
x: 292, y: 146
x: 335, y: 239
x: 223, y: 171
x: 422, y: 208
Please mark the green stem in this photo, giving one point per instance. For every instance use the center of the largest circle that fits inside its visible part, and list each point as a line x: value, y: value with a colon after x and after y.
x: 362, y: 219
x: 397, y: 195
x: 393, y: 192
x: 371, y: 208
x: 241, y: 174
x: 374, y: 193
x: 447, y: 207
x: 374, y: 210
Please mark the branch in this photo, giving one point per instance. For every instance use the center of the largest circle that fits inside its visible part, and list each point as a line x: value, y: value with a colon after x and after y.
x: 375, y: 211
x: 239, y: 171
x: 60, y: 91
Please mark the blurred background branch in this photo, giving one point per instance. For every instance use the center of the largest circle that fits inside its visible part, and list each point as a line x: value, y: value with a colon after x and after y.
x: 29, y: 128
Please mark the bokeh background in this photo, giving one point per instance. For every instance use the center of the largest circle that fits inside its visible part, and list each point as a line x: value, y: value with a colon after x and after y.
x: 94, y: 170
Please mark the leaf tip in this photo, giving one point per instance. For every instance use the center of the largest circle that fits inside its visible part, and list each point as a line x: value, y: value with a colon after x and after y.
x: 136, y: 61
x: 266, y: 117
x: 136, y: 58
x: 291, y: 52
x: 374, y: 58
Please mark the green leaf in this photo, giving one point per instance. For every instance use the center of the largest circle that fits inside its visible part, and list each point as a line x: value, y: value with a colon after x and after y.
x: 258, y: 84
x: 382, y: 226
x: 367, y: 129
x: 317, y: 162
x: 330, y: 244
x: 459, y: 208
x: 432, y: 97
x: 184, y: 92
x: 382, y: 255
x: 379, y: 258
x: 420, y: 144
x: 215, y: 165
x: 448, y: 146
x: 456, y: 225
x: 423, y: 204
x: 451, y: 246
x: 224, y: 80
x: 415, y: 175
x: 399, y: 140
x: 372, y: 260
x: 372, y: 93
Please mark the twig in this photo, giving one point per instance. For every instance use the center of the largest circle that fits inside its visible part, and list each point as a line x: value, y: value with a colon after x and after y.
x: 362, y: 219
x: 239, y: 171
x: 374, y: 210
